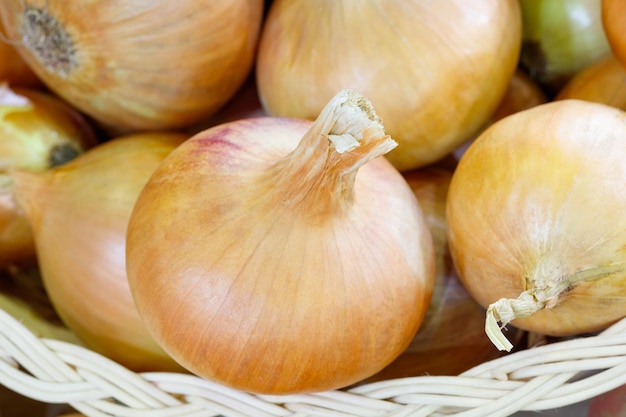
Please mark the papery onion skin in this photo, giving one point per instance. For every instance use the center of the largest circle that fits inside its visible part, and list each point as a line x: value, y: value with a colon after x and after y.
x: 604, y: 82
x: 79, y: 214
x: 139, y: 65
x: 37, y: 132
x: 435, y: 71
x: 278, y: 283
x: 535, y: 204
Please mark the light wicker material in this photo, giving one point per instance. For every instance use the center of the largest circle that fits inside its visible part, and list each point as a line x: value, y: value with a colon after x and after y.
x: 544, y: 377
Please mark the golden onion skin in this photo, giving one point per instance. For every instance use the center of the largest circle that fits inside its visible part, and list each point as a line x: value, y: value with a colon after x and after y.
x: 537, y: 205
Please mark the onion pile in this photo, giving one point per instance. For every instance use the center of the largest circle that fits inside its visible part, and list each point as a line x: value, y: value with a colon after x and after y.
x: 435, y: 71
x: 281, y: 255
x: 79, y: 213
x: 206, y: 188
x: 137, y: 65
x: 536, y: 219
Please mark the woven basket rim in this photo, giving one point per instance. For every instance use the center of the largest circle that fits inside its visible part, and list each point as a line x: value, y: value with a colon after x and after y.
x: 534, y: 379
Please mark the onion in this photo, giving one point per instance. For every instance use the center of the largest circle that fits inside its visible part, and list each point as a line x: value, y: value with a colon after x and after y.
x: 37, y: 132
x: 604, y: 81
x: 535, y: 219
x: 138, y: 65
x: 451, y: 339
x: 613, y: 15
x: 560, y: 38
x: 279, y: 255
x: 79, y: 213
x: 435, y: 71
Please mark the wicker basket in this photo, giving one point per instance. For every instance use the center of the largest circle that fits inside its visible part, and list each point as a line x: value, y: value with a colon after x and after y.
x: 540, y: 378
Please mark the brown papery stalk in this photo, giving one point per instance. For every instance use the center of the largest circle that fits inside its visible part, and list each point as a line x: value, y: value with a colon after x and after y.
x: 347, y: 134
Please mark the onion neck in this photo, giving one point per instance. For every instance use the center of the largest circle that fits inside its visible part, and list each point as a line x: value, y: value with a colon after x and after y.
x: 538, y: 297
x: 320, y: 173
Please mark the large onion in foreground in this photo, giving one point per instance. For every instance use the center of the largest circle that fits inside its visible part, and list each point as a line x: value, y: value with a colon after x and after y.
x: 138, y: 65
x: 280, y: 255
x: 536, y: 219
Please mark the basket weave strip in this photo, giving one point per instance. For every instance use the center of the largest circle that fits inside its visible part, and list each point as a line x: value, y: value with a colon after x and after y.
x: 541, y: 378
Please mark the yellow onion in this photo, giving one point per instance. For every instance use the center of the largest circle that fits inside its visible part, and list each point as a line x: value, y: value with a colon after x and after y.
x: 138, y: 65
x: 451, y: 338
x: 604, y: 81
x: 13, y: 69
x: 536, y: 221
x: 79, y: 214
x: 434, y: 70
x: 613, y: 15
x: 560, y: 38
x: 37, y: 132
x: 281, y: 255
